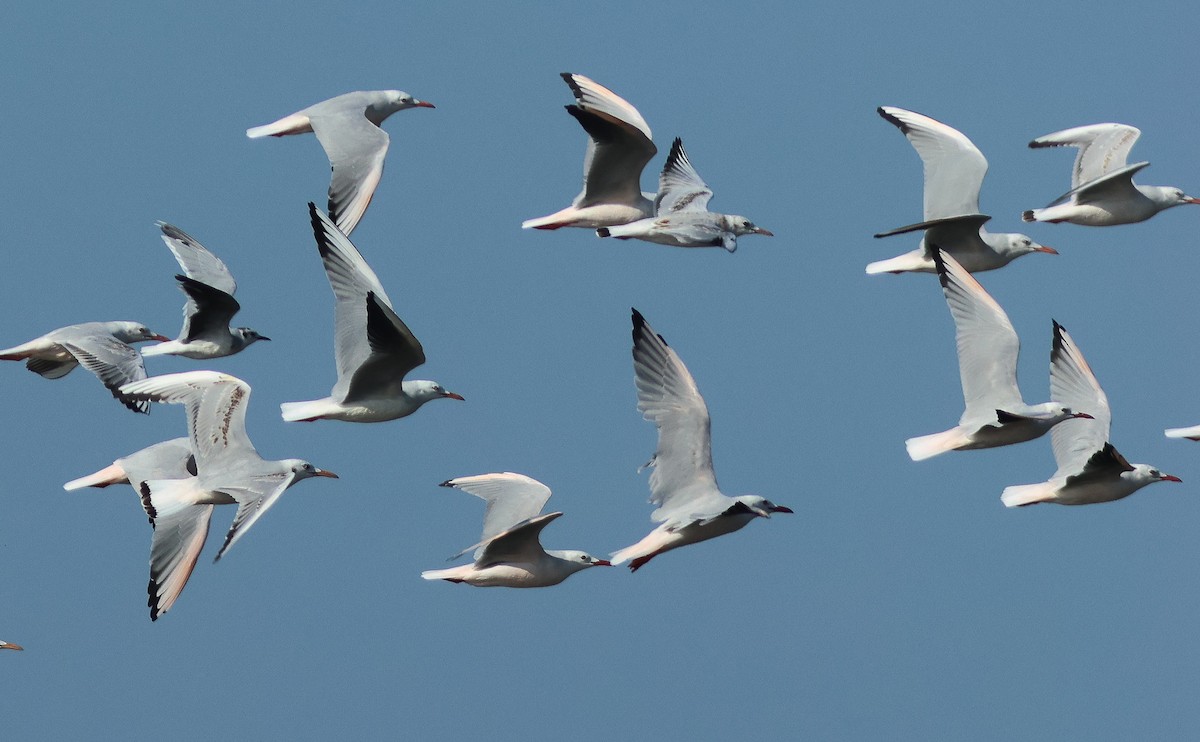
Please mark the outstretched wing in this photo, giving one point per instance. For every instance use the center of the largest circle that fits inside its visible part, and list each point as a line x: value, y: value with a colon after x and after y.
x: 680, y: 187
x: 1072, y: 384
x: 954, y: 166
x: 1103, y: 148
x: 619, y: 146
x: 511, y: 499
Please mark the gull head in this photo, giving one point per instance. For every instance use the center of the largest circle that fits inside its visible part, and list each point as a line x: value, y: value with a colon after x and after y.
x: 579, y: 559
x: 1169, y: 197
x: 761, y: 506
x: 134, y: 332
x: 425, y: 391
x: 398, y: 100
x: 303, y: 470
x: 1016, y: 245
x: 740, y: 225
x: 1144, y: 474
x: 246, y: 335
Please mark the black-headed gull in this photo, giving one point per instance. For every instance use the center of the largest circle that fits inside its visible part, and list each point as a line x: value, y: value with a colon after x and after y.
x: 180, y: 527
x: 1102, y: 189
x: 102, y: 347
x: 10, y: 645
x: 681, y: 216
x: 373, y: 347
x: 348, y: 127
x: 210, y: 306
x: 1090, y: 470
x: 619, y: 146
x: 510, y: 554
x: 954, y: 170
x: 691, y: 508
x: 988, y: 346
x: 228, y: 469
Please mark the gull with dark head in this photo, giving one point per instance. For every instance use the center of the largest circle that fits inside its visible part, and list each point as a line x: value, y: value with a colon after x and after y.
x: 348, y: 127
x: 691, y: 508
x: 210, y: 307
x: 101, y: 347
x: 954, y: 170
x: 1090, y: 469
x: 681, y: 216
x: 995, y: 414
x: 510, y: 552
x: 373, y: 347
x: 619, y: 146
x: 1102, y: 189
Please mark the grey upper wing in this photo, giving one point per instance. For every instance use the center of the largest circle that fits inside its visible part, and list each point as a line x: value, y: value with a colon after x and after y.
x: 1073, y: 385
x: 520, y: 543
x: 680, y: 187
x: 1103, y: 148
x: 682, y: 480
x: 254, y: 499
x: 112, y: 361
x: 356, y: 149
x: 619, y: 146
x: 954, y: 166
x: 196, y: 261
x: 511, y: 498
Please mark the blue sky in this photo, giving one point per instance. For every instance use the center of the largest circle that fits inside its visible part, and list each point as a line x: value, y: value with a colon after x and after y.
x: 901, y: 601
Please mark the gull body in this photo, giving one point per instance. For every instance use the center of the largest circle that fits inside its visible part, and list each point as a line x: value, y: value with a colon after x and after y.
x: 954, y: 170
x: 1090, y: 469
x: 210, y: 306
x: 1102, y: 191
x: 988, y: 347
x: 373, y: 347
x: 681, y: 216
x: 691, y: 508
x: 510, y: 553
x: 619, y: 146
x: 348, y: 128
x: 101, y: 347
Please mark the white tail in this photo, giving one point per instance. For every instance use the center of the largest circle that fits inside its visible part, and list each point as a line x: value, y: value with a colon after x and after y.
x: 553, y: 221
x: 108, y: 475
x: 899, y: 264
x: 304, y: 411
x: 1027, y: 494
x: 928, y: 446
x: 295, y: 124
x: 1192, y: 433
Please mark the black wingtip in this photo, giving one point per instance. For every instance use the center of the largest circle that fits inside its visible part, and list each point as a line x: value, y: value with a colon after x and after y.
x: 1027, y: 216
x: 147, y: 505
x: 152, y: 600
x: 894, y: 121
x: 450, y: 482
x: 939, y: 263
x: 569, y: 79
x: 603, y: 232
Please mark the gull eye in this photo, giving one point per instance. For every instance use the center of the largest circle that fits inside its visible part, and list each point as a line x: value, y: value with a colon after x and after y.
x: 583, y: 558
x: 1155, y: 473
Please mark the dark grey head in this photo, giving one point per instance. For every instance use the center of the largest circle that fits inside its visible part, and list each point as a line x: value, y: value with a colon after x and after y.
x: 247, y: 336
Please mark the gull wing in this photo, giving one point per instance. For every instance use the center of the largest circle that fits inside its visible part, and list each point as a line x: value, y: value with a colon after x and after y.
x: 1117, y: 184
x: 254, y: 499
x: 987, y: 343
x: 180, y: 529
x: 520, y: 543
x: 954, y: 166
x: 112, y: 361
x: 356, y: 149
x: 683, y: 481
x: 680, y: 187
x: 1073, y: 385
x: 196, y: 261
x: 1103, y: 148
x: 208, y: 309
x: 619, y: 146
x: 511, y: 499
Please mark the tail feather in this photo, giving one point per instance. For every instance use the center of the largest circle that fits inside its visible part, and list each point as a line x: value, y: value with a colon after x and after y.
x: 304, y: 411
x: 114, y: 474
x: 906, y: 263
x: 1027, y: 494
x: 928, y: 446
x: 1192, y: 433
x: 295, y: 124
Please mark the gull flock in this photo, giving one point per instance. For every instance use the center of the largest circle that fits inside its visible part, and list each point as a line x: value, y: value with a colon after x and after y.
x: 179, y: 481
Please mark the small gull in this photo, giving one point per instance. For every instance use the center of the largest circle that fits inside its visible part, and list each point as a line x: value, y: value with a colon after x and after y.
x: 1102, y: 189
x: 995, y: 414
x: 682, y: 484
x: 954, y: 170
x: 619, y: 146
x: 228, y: 469
x: 510, y: 554
x: 1090, y: 470
x: 373, y: 347
x: 681, y: 216
x: 102, y: 347
x: 210, y: 307
x: 348, y: 127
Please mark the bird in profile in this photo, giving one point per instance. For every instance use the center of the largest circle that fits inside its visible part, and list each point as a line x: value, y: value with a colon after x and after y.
x: 228, y: 471
x: 348, y: 127
x: 1102, y: 191
x: 510, y: 553
x: 619, y: 146
x: 681, y: 216
x: 954, y: 170
x: 373, y: 347
x: 988, y: 346
x: 1090, y: 469
x: 101, y: 347
x: 210, y: 307
x: 691, y: 508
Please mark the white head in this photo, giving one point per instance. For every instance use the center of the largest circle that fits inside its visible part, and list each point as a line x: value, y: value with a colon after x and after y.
x: 740, y: 225
x: 303, y: 470
x: 1015, y: 245
x: 398, y: 100
x: 1144, y: 474
x: 133, y: 332
x: 578, y: 559
x: 1167, y: 196
x: 245, y: 336
x: 424, y: 391
x: 761, y: 506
